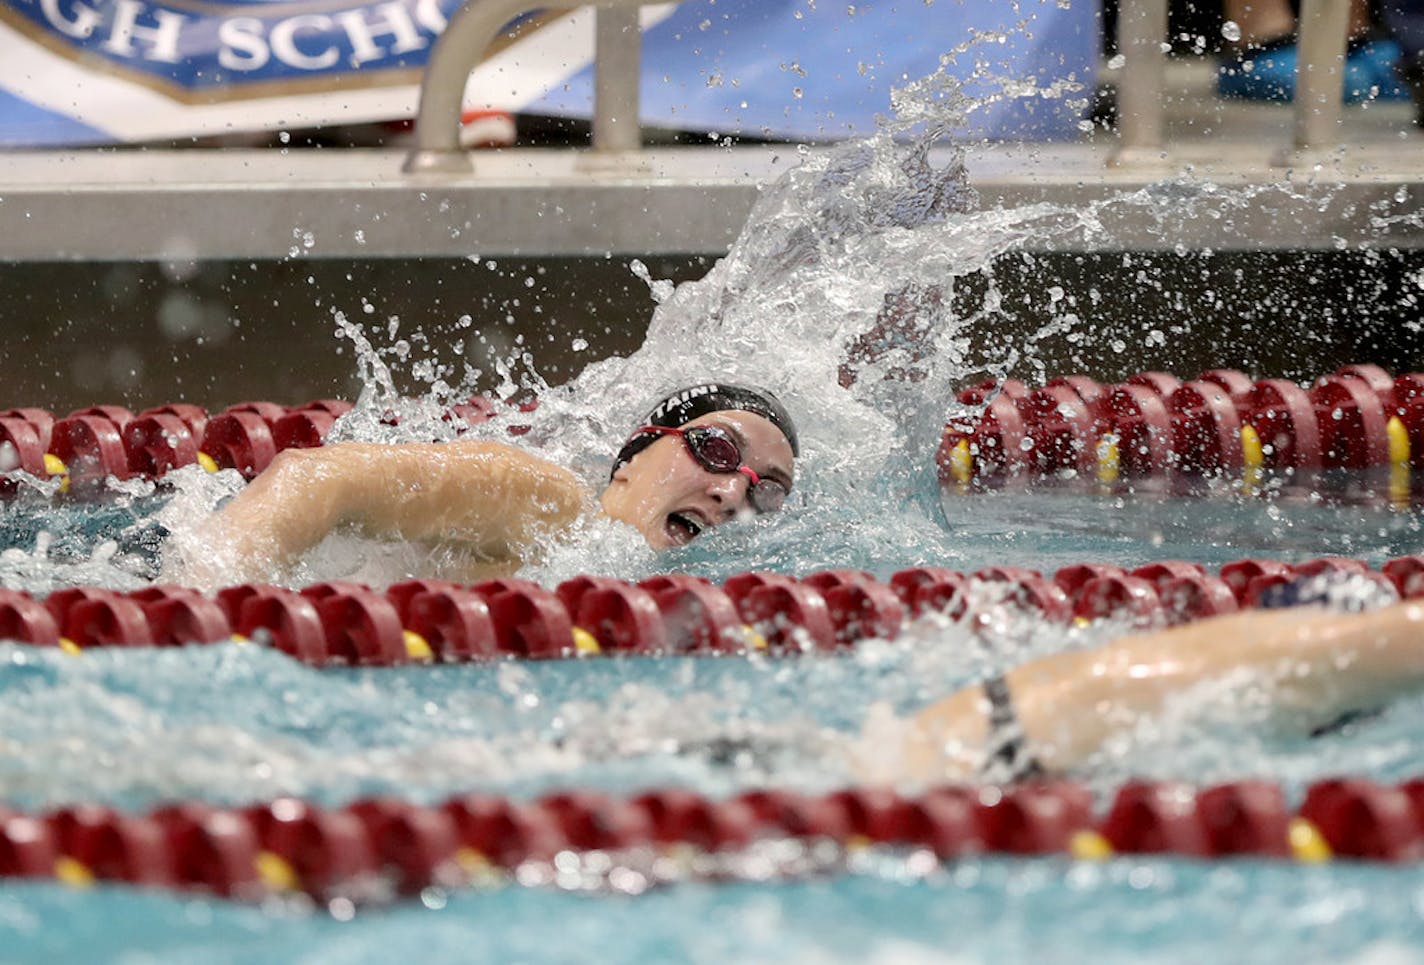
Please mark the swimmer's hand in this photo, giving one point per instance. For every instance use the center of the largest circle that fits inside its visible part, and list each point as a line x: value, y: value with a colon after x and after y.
x: 499, y: 500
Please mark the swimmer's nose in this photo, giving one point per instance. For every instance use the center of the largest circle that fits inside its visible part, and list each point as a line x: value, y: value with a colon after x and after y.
x: 729, y: 492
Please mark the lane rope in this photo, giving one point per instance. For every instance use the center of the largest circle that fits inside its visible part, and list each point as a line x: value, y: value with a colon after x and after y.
x: 386, y: 847
x: 425, y: 621
x: 1152, y: 423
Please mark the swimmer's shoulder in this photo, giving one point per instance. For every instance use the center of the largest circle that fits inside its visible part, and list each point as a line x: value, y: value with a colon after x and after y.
x: 547, y: 477
x: 441, y: 491
x: 534, y: 497
x: 461, y: 455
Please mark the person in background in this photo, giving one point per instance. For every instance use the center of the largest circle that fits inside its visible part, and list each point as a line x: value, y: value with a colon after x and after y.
x: 1405, y: 19
x: 1260, y: 63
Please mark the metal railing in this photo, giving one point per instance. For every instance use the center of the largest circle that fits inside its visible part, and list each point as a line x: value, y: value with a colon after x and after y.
x: 617, y: 62
x: 1142, y: 32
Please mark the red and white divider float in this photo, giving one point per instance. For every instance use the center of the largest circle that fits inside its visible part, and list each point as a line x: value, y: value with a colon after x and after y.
x: 431, y: 620
x: 1152, y: 423
x: 1221, y: 421
x: 1357, y: 417
x: 386, y: 846
x: 90, y: 445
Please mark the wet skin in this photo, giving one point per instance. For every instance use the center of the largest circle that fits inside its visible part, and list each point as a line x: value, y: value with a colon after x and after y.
x: 670, y: 499
x: 496, y: 504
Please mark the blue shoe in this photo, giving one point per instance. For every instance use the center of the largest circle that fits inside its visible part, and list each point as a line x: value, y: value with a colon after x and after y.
x: 1264, y: 73
x: 1379, y: 80
x: 1267, y: 73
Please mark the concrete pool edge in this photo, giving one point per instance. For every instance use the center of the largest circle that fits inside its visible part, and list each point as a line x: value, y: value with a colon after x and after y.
x: 312, y: 204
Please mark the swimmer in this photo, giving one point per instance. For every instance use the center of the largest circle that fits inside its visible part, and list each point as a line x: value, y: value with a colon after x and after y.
x: 703, y: 456
x: 1047, y: 716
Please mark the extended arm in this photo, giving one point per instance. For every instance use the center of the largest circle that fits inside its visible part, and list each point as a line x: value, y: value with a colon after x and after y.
x: 1313, y: 665
x: 497, y: 499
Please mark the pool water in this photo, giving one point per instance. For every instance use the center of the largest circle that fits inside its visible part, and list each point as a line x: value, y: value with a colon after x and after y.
x: 978, y: 911
x: 235, y: 723
x: 1046, y: 524
x: 1039, y: 523
x: 845, y: 296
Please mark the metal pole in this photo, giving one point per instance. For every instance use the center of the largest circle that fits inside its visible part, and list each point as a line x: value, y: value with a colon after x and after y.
x: 1319, y: 71
x: 442, y: 91
x: 461, y: 46
x: 1141, y: 33
x: 617, y: 60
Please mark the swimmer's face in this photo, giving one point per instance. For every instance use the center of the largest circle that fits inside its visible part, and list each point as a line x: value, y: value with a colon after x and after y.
x: 666, y: 495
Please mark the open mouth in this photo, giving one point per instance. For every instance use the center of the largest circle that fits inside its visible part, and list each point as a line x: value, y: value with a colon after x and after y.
x: 683, y: 528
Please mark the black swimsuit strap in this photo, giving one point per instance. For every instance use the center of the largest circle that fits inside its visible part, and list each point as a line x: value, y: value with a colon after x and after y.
x: 1008, y: 758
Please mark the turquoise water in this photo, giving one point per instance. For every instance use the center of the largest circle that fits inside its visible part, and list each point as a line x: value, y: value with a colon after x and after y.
x: 1049, y: 524
x: 1038, y: 523
x: 1042, y: 910
x: 235, y: 723
x: 866, y: 260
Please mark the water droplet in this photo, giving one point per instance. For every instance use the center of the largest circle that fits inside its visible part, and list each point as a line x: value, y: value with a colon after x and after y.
x: 1231, y: 31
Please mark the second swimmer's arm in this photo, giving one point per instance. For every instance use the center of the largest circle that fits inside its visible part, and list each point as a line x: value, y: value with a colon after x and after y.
x: 1312, y: 665
x: 491, y: 495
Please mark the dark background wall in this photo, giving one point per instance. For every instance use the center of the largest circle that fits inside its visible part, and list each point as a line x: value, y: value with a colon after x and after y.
x: 216, y: 333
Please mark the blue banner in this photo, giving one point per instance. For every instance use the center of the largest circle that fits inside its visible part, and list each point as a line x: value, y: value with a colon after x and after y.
x: 93, y: 71
x: 824, y: 71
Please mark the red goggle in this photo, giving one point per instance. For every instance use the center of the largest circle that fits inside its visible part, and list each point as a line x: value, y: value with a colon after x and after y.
x: 716, y: 451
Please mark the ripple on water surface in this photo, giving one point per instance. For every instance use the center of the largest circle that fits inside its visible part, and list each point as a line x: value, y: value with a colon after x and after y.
x: 974, y: 911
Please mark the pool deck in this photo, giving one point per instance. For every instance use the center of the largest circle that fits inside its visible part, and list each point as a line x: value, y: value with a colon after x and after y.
x: 357, y: 203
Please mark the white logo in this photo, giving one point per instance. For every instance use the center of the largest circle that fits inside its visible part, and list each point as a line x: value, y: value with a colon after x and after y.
x: 682, y: 398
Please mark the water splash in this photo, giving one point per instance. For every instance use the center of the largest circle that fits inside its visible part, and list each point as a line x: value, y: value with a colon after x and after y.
x: 45, y: 567
x: 862, y: 291
x: 383, y: 413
